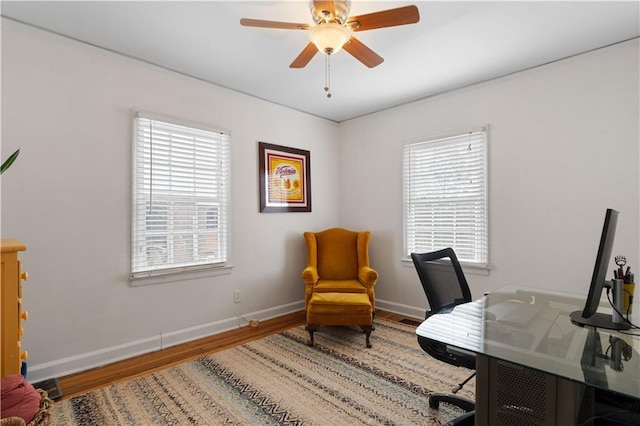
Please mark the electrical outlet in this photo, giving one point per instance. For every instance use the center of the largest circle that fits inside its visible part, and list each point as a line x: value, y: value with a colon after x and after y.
x: 236, y: 296
x: 254, y: 323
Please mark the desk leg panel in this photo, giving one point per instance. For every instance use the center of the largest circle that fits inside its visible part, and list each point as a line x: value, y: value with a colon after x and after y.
x: 509, y: 394
x: 482, y: 390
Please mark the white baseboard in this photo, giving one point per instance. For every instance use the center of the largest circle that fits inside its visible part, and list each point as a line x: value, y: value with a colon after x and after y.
x: 104, y: 356
x: 398, y: 308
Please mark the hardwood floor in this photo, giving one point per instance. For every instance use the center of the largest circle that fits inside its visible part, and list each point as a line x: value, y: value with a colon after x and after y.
x: 85, y: 381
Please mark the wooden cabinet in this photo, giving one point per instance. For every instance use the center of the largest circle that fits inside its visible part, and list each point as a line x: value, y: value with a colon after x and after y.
x: 11, y: 309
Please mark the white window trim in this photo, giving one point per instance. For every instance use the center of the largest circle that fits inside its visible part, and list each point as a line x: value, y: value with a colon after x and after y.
x: 179, y: 273
x: 471, y: 267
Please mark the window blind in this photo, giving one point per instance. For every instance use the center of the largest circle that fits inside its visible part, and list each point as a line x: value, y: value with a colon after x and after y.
x: 445, y: 196
x: 180, y: 197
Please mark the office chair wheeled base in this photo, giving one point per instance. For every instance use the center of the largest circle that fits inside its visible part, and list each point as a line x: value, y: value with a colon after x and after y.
x: 466, y: 419
x: 464, y: 403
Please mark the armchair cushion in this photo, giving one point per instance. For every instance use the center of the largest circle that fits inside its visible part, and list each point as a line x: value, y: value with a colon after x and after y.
x: 339, y: 286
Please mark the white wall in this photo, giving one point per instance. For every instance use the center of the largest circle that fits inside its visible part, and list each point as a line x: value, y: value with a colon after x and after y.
x: 563, y: 147
x: 67, y: 107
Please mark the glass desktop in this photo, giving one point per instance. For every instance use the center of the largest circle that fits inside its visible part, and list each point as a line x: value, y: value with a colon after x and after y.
x: 546, y: 341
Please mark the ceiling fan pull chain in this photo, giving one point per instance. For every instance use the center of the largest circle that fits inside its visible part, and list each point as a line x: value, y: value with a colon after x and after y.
x: 327, y: 75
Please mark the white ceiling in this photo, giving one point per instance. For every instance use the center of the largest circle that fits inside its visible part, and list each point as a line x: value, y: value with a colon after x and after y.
x: 455, y: 44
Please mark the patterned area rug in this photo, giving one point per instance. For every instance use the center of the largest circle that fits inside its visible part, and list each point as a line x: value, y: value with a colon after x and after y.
x: 280, y: 380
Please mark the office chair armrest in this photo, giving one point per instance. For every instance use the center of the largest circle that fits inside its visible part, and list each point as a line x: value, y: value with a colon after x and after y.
x: 310, y: 275
x: 368, y: 276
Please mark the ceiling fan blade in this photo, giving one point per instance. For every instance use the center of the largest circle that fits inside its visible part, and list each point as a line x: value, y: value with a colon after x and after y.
x: 328, y: 6
x: 305, y: 56
x: 386, y: 18
x: 273, y: 24
x: 362, y: 53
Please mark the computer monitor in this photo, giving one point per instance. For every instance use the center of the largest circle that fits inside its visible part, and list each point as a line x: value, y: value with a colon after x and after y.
x: 589, y: 316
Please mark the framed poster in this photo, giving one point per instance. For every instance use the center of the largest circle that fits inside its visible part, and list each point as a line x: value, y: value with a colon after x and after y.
x: 285, y: 179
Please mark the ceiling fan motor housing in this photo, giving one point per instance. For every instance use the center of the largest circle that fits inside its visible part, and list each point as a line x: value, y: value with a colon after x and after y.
x: 330, y: 11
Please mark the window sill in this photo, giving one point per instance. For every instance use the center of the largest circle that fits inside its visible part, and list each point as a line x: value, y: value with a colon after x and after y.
x: 167, y: 277
x: 468, y: 268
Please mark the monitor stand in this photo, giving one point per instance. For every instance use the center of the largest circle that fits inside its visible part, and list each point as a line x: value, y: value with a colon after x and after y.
x: 593, y: 361
x: 598, y: 320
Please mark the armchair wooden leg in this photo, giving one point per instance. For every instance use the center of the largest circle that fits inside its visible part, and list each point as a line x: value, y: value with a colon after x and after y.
x: 311, y: 328
x: 367, y: 329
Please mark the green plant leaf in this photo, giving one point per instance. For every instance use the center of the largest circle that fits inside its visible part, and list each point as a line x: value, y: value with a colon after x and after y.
x: 9, y: 161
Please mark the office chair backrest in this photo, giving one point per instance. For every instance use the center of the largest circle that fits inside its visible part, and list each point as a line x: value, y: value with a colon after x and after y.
x: 442, y: 279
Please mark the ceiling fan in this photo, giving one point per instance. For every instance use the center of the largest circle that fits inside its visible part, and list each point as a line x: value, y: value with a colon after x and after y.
x: 333, y: 29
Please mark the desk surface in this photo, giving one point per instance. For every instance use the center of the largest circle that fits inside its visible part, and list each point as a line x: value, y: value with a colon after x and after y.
x: 549, y: 342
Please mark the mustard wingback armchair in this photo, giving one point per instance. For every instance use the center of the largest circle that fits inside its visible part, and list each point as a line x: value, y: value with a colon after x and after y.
x: 338, y: 262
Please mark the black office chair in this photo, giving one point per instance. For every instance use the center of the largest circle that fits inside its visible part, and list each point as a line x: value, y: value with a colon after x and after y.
x: 445, y: 286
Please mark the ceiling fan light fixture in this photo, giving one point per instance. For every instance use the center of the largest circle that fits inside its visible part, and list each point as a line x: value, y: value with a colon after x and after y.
x: 329, y: 38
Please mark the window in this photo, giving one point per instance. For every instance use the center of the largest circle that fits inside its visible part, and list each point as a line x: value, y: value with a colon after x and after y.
x: 180, y: 197
x: 445, y: 196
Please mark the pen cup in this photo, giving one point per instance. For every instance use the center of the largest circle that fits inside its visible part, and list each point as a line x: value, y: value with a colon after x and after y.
x: 627, y: 291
